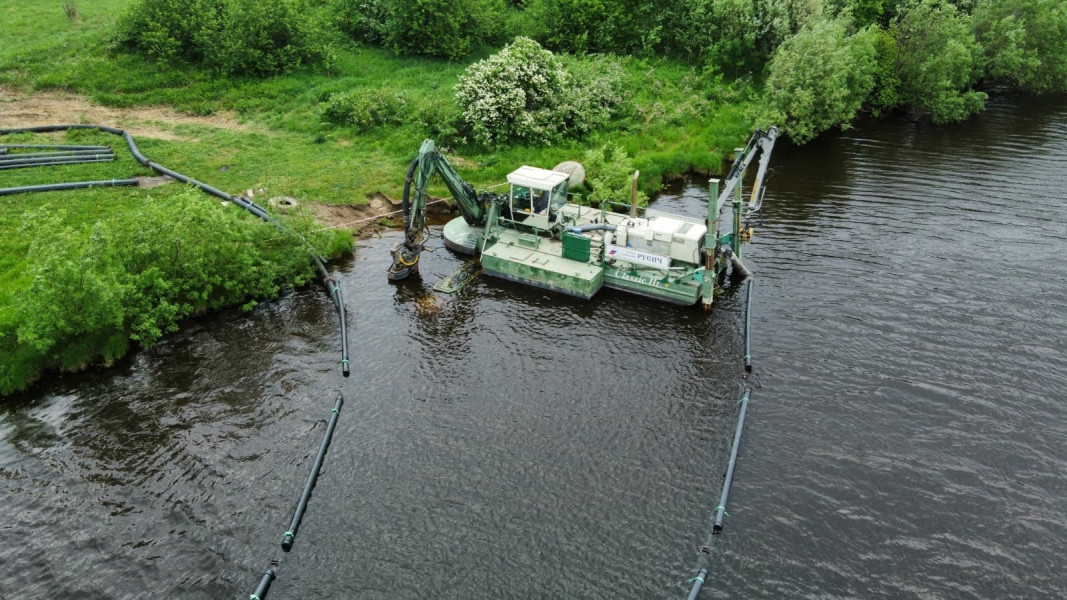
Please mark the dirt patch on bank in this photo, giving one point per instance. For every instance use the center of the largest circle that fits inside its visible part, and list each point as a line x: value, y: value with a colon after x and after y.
x: 56, y: 108
x: 380, y: 213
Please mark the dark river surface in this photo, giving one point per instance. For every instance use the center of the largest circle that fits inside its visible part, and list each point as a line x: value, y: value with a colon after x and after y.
x: 907, y: 436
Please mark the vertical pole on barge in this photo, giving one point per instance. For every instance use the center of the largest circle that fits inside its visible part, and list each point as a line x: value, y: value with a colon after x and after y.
x: 736, y: 241
x: 711, y: 244
x: 633, y: 196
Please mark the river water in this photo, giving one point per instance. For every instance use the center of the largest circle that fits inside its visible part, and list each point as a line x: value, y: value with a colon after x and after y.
x: 907, y: 436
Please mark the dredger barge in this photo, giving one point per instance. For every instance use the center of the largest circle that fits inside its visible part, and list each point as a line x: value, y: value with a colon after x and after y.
x: 540, y: 234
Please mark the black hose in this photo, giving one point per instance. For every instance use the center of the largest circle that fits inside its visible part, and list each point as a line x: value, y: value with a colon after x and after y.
x: 27, y: 165
x: 698, y: 582
x: 52, y: 187
x: 290, y: 534
x: 4, y: 147
x: 748, y: 326
x: 405, y: 202
x: 720, y: 510
x: 21, y: 155
x: 264, y: 586
x: 30, y: 159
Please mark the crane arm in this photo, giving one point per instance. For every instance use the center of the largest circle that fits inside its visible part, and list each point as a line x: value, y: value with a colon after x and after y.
x: 761, y: 142
x: 427, y: 163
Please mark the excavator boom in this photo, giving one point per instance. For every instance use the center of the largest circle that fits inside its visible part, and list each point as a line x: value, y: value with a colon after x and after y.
x: 423, y: 167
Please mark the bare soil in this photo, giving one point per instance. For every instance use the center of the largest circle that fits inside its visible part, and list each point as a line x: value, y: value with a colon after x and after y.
x: 379, y: 214
x: 57, y: 107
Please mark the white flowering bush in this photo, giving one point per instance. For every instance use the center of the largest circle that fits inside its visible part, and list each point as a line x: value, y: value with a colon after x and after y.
x: 525, y: 93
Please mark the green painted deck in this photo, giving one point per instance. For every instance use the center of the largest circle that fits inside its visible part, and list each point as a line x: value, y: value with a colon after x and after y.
x: 518, y: 257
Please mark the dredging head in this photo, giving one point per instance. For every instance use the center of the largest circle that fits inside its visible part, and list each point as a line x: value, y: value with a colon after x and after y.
x: 405, y: 261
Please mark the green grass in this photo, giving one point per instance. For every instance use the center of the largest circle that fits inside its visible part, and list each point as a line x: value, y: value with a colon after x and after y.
x: 675, y: 121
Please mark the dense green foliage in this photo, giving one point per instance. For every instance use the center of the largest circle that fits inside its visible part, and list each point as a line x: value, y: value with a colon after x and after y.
x: 525, y: 93
x: 235, y: 37
x: 937, y: 61
x: 932, y: 59
x: 819, y: 78
x: 611, y: 173
x: 364, y: 110
x: 442, y: 28
x: 1024, y: 42
x: 134, y: 278
x: 822, y: 61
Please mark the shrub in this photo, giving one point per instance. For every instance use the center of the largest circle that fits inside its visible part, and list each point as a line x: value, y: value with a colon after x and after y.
x: 609, y: 172
x: 525, y: 93
x: 364, y: 110
x: 885, y: 96
x: 235, y: 37
x: 169, y: 30
x: 135, y: 279
x: 364, y: 20
x: 1023, y: 43
x: 819, y: 79
x: 439, y: 28
x: 264, y: 38
x: 595, y: 91
x: 938, y: 61
x: 586, y: 25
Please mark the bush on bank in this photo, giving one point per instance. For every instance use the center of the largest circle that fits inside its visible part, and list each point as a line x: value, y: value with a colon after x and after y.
x: 524, y: 93
x: 234, y: 37
x: 133, y: 279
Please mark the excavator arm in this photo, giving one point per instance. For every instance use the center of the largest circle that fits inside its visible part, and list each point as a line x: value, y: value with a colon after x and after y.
x: 761, y: 143
x: 423, y: 167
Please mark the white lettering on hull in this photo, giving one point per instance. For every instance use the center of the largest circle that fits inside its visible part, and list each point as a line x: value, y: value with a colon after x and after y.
x: 632, y: 255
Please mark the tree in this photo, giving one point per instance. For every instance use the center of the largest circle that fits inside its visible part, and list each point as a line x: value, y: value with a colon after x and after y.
x: 819, y: 79
x: 1024, y: 43
x: 938, y: 61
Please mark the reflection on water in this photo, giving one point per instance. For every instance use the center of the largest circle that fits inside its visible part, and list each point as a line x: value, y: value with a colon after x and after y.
x: 906, y: 438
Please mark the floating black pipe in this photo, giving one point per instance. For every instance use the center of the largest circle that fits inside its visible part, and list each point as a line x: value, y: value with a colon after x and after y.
x: 698, y: 582
x: 720, y: 510
x: 6, y: 166
x: 264, y: 586
x: 748, y: 326
x: 339, y: 302
x: 290, y: 534
x: 52, y: 187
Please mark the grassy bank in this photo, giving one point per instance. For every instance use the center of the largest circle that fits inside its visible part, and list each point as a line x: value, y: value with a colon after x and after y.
x: 262, y: 134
